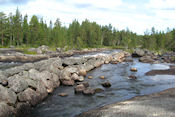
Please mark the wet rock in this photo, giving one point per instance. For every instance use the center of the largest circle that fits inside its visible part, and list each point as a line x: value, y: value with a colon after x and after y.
x: 98, y: 90
x: 63, y: 94
x: 7, y: 95
x: 114, y: 62
x: 90, y: 77
x: 102, y: 77
x: 132, y: 77
x: 133, y: 69
x: 79, y: 88
x: 82, y: 72
x: 86, y: 84
x: 29, y: 95
x: 17, y: 84
x: 6, y: 110
x: 89, y: 91
x: 81, y: 79
x: 49, y: 91
x: 68, y: 82
x: 106, y: 84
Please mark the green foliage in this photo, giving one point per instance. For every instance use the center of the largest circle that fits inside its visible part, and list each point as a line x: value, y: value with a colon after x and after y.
x: 18, y: 30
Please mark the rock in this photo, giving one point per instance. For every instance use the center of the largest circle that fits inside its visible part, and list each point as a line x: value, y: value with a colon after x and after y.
x: 81, y: 79
x: 114, y: 62
x: 42, y: 49
x: 63, y: 94
x: 102, y: 77
x: 2, y: 77
x: 4, y: 83
x: 106, y: 84
x: 98, y: 90
x: 82, y: 72
x: 128, y: 60
x: 90, y: 77
x: 79, y: 88
x: 89, y: 91
x: 23, y: 108
x: 133, y: 69
x: 59, y: 50
x: 146, y: 59
x: 138, y: 53
x: 17, y: 83
x: 86, y: 84
x: 38, y: 51
x: 49, y: 91
x: 30, y: 96
x: 132, y: 77
x: 75, y: 77
x: 56, y: 80
x: 7, y: 95
x: 6, y: 110
x: 68, y: 82
x: 41, y: 91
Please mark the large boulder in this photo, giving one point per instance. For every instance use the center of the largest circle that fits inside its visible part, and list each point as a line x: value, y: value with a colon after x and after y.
x: 138, y: 53
x: 7, y: 95
x: 146, y: 59
x: 17, y: 83
x: 6, y: 110
x: 30, y: 96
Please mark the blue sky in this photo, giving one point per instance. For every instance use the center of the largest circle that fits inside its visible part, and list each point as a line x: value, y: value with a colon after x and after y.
x: 137, y: 15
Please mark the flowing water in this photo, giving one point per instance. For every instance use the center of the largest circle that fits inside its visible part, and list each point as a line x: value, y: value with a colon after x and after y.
x: 122, y: 88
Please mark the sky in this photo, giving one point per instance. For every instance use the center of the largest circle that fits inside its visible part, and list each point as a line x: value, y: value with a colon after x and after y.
x: 135, y: 15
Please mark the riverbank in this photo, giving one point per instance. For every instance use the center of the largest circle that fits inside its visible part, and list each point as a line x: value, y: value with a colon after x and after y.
x: 154, y: 105
x: 25, y: 86
x: 17, y: 55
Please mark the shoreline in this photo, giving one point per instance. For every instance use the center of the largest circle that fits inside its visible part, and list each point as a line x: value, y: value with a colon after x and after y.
x: 25, y: 86
x: 159, y: 104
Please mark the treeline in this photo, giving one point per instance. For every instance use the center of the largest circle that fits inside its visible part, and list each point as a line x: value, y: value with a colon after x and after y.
x: 18, y: 31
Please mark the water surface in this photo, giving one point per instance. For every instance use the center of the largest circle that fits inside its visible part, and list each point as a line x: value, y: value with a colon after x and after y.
x: 122, y: 88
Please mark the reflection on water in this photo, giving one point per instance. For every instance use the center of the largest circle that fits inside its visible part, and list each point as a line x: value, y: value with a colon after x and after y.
x: 122, y: 88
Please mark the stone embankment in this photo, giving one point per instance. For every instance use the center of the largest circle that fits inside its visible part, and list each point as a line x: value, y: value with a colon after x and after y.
x: 25, y: 86
x: 14, y: 55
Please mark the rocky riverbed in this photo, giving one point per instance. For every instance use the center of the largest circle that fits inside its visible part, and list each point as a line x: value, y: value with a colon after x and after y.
x: 24, y: 86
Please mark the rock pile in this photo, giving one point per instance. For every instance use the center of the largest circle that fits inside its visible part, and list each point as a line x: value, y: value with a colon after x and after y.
x: 25, y: 86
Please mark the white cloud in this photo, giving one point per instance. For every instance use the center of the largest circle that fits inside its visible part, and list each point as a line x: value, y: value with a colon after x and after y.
x: 137, y: 17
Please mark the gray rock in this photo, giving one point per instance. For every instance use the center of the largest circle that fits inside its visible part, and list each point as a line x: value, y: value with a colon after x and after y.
x: 23, y: 108
x: 17, y: 84
x: 7, y: 95
x: 30, y: 96
x: 6, y: 110
x: 138, y: 53
x: 41, y: 90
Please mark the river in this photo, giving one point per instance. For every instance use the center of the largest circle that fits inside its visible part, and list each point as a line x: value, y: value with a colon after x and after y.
x: 122, y: 88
